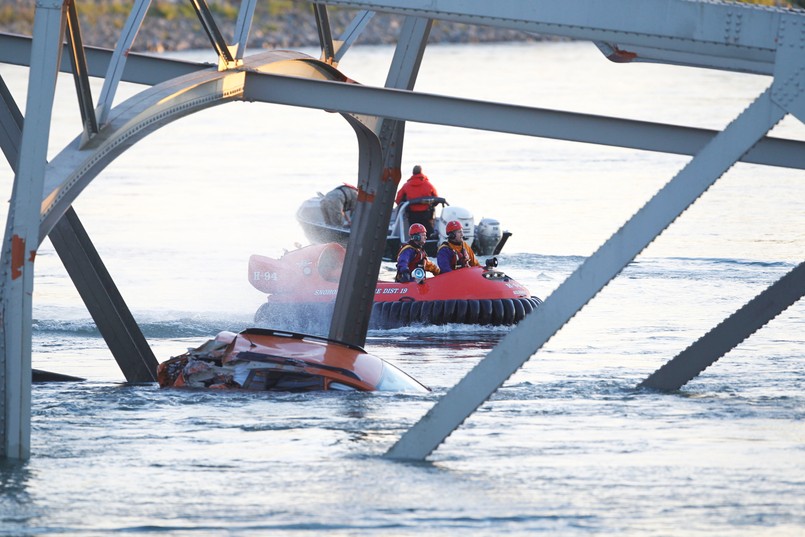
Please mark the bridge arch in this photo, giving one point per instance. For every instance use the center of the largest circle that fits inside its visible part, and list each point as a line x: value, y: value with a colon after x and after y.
x: 79, y: 163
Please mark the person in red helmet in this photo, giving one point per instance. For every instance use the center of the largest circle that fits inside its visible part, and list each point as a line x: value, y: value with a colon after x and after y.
x: 454, y: 253
x: 412, y: 255
x: 418, y: 186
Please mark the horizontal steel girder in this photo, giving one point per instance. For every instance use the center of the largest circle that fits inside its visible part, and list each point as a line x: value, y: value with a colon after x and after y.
x: 140, y: 68
x: 440, y: 110
x: 717, y: 35
x: 497, y: 117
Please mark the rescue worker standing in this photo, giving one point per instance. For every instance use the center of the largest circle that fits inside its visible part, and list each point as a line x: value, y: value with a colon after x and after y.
x: 454, y: 253
x: 337, y: 205
x: 418, y: 186
x: 412, y: 255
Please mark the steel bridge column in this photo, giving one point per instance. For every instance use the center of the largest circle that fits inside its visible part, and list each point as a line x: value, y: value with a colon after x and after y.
x: 587, y: 280
x: 353, y: 304
x: 22, y: 231
x: 380, y: 153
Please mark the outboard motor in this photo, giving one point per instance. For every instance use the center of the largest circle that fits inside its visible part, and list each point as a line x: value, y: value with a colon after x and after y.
x: 488, y: 236
x: 451, y: 212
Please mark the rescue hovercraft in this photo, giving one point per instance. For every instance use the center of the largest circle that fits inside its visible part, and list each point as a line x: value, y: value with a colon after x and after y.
x: 303, y: 283
x: 271, y: 360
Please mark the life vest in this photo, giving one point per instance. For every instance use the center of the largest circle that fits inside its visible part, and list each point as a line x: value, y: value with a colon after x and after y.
x: 419, y: 256
x: 460, y: 256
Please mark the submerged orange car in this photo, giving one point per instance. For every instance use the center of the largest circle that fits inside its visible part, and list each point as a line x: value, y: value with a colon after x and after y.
x: 261, y: 359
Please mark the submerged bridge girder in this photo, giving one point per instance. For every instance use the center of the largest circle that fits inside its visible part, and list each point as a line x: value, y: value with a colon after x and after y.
x: 703, y: 34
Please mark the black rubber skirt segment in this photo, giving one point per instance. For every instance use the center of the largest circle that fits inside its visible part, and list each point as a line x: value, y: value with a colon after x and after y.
x: 387, y: 315
x: 494, y: 312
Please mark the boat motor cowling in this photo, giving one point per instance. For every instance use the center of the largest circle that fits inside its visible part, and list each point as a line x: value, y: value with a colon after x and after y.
x: 461, y: 215
x: 487, y: 236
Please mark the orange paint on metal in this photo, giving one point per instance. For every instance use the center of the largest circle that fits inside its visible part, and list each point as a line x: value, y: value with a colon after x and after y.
x: 621, y: 56
x: 17, y: 256
x: 365, y: 196
x: 392, y: 174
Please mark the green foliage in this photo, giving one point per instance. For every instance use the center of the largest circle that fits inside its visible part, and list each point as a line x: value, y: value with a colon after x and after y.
x: 10, y: 14
x: 774, y: 3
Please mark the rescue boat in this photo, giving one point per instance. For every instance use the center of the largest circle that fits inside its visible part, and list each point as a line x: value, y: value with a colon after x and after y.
x: 259, y: 359
x: 485, y: 238
x: 302, y: 286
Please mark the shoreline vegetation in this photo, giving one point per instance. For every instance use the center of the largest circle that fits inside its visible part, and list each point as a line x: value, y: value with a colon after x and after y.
x: 172, y: 25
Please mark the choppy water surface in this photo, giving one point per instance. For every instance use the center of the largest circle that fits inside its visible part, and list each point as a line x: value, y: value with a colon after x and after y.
x: 567, y: 446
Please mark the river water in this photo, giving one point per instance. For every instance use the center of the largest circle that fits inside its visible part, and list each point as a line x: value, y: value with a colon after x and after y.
x: 568, y: 446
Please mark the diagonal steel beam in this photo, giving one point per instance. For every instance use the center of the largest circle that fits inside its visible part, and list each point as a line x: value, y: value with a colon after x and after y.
x: 788, y: 93
x: 325, y: 33
x: 687, y: 365
x: 117, y: 63
x: 79, y: 62
x: 243, y: 26
x: 10, y: 125
x: 352, y: 32
x: 211, y: 28
x: 93, y: 282
x: 103, y: 300
x: 587, y: 280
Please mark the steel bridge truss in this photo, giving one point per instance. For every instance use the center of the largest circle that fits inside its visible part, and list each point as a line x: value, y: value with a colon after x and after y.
x: 700, y: 34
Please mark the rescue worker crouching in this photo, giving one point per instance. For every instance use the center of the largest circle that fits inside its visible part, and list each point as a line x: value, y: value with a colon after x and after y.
x: 338, y: 204
x: 454, y: 253
x: 412, y: 255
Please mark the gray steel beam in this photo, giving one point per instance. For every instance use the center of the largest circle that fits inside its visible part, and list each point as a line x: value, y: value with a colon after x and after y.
x: 353, y: 304
x: 21, y: 239
x: 243, y: 26
x: 379, y: 151
x: 687, y: 365
x: 78, y: 61
x: 497, y: 117
x: 587, y: 280
x: 117, y: 62
x: 717, y: 35
x: 211, y: 28
x: 139, y: 68
x: 351, y: 33
x: 103, y: 300
x: 10, y: 125
x: 93, y: 282
x: 325, y: 33
x: 441, y: 110
x: 787, y: 92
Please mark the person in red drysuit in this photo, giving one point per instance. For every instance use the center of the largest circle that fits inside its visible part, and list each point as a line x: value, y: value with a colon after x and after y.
x: 418, y: 186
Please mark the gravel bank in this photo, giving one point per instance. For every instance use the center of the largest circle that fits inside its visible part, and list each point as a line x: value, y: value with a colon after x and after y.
x: 173, y: 26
